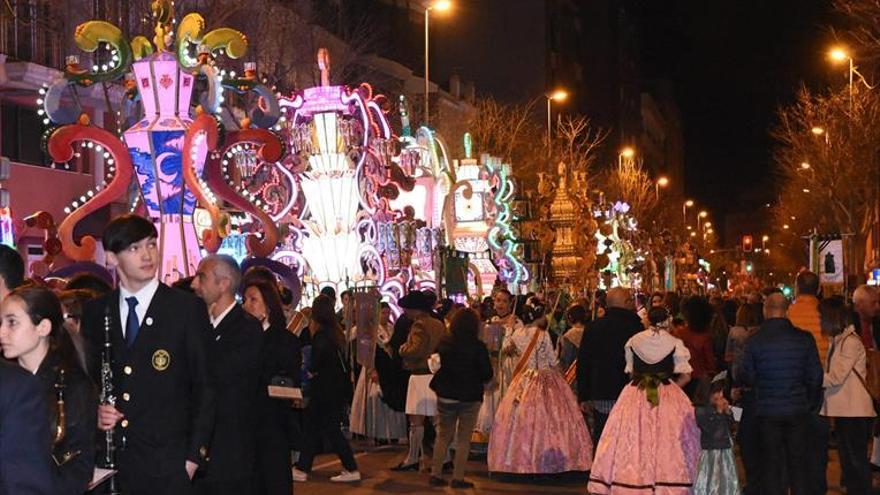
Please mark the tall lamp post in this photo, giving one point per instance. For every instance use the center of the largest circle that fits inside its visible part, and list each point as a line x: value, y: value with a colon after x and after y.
x: 839, y: 54
x: 559, y: 95
x: 684, y: 210
x: 660, y: 182
x: 439, y: 6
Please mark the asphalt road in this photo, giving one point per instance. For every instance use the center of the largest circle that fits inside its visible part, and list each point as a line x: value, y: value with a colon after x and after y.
x: 374, y: 464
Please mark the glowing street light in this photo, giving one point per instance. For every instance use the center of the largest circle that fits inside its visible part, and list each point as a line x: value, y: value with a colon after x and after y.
x: 661, y: 182
x: 559, y: 95
x: 818, y: 131
x: 439, y: 6
x: 805, y: 166
x: 839, y: 54
x: 627, y: 152
x: 684, y: 210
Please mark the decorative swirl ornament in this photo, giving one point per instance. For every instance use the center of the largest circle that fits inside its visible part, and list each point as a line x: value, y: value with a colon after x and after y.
x: 203, y: 136
x: 270, y: 150
x: 60, y: 147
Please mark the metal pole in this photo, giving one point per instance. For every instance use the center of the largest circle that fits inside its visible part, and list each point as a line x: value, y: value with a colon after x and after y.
x: 549, y: 135
x: 427, y: 83
x: 851, y: 69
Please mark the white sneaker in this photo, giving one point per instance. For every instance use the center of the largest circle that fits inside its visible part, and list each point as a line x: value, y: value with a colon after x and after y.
x: 347, y: 477
x: 300, y: 476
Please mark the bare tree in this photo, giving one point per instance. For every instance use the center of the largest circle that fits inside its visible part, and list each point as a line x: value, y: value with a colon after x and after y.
x: 577, y: 141
x: 864, y: 25
x: 829, y: 162
x: 630, y: 182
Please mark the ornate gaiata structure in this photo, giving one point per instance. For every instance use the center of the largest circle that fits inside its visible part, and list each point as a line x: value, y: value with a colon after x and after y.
x: 568, y: 229
x: 171, y: 144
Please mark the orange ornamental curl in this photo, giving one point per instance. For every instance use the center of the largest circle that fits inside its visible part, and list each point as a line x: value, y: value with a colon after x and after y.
x: 61, y: 149
x: 204, y: 124
x: 270, y: 150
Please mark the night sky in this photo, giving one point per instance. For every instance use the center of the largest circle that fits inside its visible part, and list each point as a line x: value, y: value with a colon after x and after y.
x: 733, y: 64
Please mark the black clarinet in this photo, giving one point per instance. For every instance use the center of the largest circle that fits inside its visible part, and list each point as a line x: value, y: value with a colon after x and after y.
x: 108, y: 398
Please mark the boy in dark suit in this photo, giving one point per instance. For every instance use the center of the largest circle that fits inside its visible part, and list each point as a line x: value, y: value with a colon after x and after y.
x: 235, y: 344
x: 164, y: 409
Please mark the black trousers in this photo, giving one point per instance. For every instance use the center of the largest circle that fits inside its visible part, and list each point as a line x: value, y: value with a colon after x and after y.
x: 242, y: 486
x: 273, y: 456
x: 784, y: 442
x: 852, y: 445
x: 749, y: 438
x: 817, y: 454
x: 145, y: 484
x: 322, y: 422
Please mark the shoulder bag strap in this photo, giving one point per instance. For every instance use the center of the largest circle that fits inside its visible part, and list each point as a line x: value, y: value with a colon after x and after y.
x: 859, y: 375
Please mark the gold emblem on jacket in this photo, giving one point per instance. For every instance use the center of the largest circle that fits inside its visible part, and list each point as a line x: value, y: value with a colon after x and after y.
x: 161, y: 360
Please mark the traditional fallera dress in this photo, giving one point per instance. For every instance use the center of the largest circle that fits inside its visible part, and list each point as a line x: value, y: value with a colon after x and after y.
x: 370, y: 415
x: 499, y: 331
x: 538, y: 426
x: 651, y: 442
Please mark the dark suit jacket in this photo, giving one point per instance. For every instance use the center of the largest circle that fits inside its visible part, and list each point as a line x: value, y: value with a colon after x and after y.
x: 161, y: 385
x: 234, y: 357
x: 25, y: 441
x: 601, y: 358
x: 76, y: 451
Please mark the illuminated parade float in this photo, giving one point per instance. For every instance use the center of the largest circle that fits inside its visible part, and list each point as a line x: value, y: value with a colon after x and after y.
x: 479, y: 222
x: 315, y: 185
x: 172, y: 144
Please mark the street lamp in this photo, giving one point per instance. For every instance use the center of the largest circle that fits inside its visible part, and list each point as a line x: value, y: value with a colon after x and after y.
x: 805, y: 166
x: 559, y: 95
x: 818, y: 131
x: 627, y: 153
x: 439, y: 6
x: 661, y: 182
x: 684, y: 210
x: 764, y: 240
x: 839, y: 54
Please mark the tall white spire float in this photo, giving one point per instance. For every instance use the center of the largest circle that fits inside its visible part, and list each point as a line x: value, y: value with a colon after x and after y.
x: 342, y: 137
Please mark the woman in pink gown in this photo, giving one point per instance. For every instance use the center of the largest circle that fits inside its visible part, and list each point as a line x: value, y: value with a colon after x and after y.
x: 651, y: 443
x: 538, y: 426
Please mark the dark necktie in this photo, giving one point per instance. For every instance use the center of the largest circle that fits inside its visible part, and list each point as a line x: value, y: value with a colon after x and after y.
x: 132, y: 326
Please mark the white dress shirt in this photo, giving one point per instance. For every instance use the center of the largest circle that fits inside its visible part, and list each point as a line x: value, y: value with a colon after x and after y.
x: 215, y: 322
x: 144, y: 297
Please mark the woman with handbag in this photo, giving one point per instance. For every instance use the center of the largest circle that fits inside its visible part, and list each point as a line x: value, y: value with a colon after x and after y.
x: 330, y: 388
x: 847, y: 399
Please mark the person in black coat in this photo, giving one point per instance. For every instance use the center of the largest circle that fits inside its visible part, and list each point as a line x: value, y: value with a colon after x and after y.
x: 33, y: 334
x: 459, y: 383
x: 280, y: 362
x: 164, y: 410
x: 323, y: 414
x: 25, y: 444
x: 393, y: 378
x: 601, y: 358
x: 235, y: 344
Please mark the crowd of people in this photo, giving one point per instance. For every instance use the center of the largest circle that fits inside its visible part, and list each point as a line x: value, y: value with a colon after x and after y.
x: 219, y: 385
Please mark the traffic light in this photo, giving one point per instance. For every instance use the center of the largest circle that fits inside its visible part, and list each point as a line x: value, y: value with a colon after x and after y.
x: 749, y: 267
x: 747, y: 244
